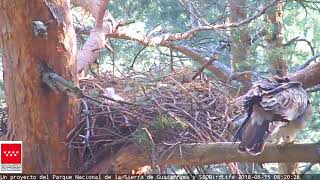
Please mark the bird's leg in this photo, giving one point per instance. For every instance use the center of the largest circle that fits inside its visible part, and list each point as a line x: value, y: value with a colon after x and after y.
x: 284, y: 142
x: 281, y: 147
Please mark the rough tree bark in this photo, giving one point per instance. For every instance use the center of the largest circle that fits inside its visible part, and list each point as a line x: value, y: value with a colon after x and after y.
x: 40, y: 118
x: 240, y: 45
x: 274, y: 18
x: 309, y: 76
x: 239, y: 37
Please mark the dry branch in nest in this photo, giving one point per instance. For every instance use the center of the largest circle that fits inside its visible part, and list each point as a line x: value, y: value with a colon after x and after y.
x: 155, y: 114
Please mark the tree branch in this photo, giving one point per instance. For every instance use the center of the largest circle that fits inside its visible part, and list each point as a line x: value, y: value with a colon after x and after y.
x: 89, y: 5
x: 101, y: 12
x: 164, y: 40
x: 313, y: 58
x: 193, y: 31
x: 297, y: 39
x: 314, y: 89
x: 134, y: 156
x: 222, y: 72
x: 309, y: 76
x: 213, y: 57
x: 96, y: 40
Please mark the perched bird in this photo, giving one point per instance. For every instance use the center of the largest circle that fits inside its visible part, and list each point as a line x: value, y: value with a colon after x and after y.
x: 272, y: 105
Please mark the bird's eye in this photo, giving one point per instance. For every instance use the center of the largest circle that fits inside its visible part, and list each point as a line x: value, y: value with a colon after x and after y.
x: 298, y: 117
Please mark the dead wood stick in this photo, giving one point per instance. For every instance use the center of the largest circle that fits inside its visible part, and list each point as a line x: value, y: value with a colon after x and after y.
x: 203, y: 67
x: 184, y: 90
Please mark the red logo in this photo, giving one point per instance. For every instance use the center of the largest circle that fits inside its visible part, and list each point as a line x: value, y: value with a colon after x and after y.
x: 10, y: 153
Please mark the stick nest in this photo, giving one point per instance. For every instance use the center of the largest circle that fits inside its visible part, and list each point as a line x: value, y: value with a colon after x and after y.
x: 161, y: 112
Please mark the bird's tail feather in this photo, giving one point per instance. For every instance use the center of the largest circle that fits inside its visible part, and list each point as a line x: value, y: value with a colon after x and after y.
x: 253, y: 137
x: 239, y: 122
x: 254, y: 132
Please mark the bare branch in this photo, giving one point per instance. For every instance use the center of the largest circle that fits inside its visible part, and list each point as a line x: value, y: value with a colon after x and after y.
x: 102, y: 10
x: 213, y: 57
x: 193, y: 31
x: 222, y: 72
x: 218, y: 69
x: 136, y: 57
x: 297, y: 39
x: 307, y: 168
x: 313, y: 58
x: 166, y: 40
x: 314, y: 89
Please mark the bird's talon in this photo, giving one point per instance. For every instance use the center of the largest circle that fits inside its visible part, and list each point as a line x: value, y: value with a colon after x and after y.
x: 282, y: 147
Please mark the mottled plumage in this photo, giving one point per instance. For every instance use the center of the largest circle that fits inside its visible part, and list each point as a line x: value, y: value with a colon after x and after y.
x: 272, y: 104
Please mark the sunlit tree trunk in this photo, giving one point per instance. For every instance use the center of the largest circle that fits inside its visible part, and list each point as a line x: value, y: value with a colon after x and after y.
x: 275, y: 50
x: 240, y: 44
x: 239, y: 37
x: 40, y: 118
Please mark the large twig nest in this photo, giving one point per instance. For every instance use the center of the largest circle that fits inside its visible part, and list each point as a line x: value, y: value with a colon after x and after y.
x: 159, y: 114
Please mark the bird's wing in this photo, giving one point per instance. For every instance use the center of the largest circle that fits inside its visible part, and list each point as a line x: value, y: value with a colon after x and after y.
x: 288, y: 100
x: 252, y: 98
x: 260, y: 88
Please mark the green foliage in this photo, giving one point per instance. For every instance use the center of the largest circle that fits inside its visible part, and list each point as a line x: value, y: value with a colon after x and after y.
x: 161, y: 127
x: 167, y: 123
x: 302, y: 23
x: 141, y: 137
x: 94, y: 93
x: 274, y: 54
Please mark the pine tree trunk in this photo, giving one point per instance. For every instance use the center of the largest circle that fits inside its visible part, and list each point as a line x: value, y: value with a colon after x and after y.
x: 240, y: 46
x: 38, y: 117
x: 275, y: 51
x: 239, y: 37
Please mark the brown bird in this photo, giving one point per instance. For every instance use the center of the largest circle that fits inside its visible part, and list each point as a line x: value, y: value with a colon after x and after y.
x: 272, y: 105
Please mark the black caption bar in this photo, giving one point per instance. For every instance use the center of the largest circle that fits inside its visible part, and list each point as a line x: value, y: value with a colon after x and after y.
x: 158, y: 177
